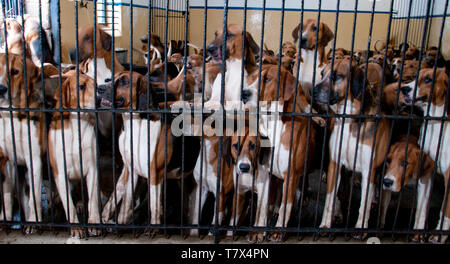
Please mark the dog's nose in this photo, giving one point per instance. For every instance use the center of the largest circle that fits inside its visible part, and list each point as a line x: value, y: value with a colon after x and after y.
x: 244, y: 167
x: 101, y: 88
x: 388, y: 182
x: 405, y: 89
x: 303, y: 41
x: 3, y: 89
x: 245, y: 96
x: 211, y: 48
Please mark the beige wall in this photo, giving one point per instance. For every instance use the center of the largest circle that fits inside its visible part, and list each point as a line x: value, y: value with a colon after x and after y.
x: 435, y: 33
x: 254, y: 22
x: 291, y: 20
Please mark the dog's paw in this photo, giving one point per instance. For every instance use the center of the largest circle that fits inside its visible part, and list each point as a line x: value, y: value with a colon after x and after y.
x: 256, y: 237
x: 418, y: 238
x: 28, y: 230
x: 434, y: 239
x: 359, y: 236
x: 94, y: 232
x: 319, y: 120
x: 151, y: 232
x: 77, y: 232
x: 277, y: 236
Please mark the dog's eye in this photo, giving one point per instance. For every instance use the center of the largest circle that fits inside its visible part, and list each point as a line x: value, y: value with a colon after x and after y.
x: 266, y: 79
x: 428, y: 80
x: 252, y: 146
x: 14, y: 72
x: 314, y: 28
x: 82, y: 87
x: 86, y: 37
x: 404, y: 163
x: 235, y: 146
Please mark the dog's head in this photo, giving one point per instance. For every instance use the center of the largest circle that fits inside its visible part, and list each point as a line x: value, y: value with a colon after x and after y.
x: 289, y: 49
x: 233, y: 49
x: 430, y: 56
x: 69, y: 98
x: 332, y: 88
x: 396, y: 164
x: 13, y: 26
x: 309, y: 34
x: 268, y: 86
x: 139, y: 99
x: 246, y: 152
x: 17, y: 80
x: 86, y: 43
x: 424, y: 88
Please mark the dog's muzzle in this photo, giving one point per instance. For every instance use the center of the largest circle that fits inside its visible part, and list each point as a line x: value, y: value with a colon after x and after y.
x: 104, y: 95
x: 3, y: 90
x: 215, y: 52
x: 245, y: 96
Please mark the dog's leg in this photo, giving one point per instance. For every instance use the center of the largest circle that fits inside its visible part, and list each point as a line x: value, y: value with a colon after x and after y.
x: 238, y: 204
x: 67, y: 202
x: 367, y: 194
x: 423, y: 194
x: 289, y: 187
x: 197, y: 202
x: 92, y: 179
x: 262, y: 188
x: 126, y: 209
x: 333, y: 182
x: 35, y: 201
x: 446, y: 211
x: 155, y: 197
x: 385, y: 200
x: 116, y: 196
x: 6, y: 213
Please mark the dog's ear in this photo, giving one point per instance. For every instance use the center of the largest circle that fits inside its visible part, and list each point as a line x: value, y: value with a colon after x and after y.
x: 327, y: 34
x: 264, y: 152
x: 427, y: 164
x: 295, y: 33
x: 106, y: 40
x: 145, y: 95
x: 226, y: 147
x: 357, y: 82
x: 250, y: 42
x: 65, y: 89
x: 289, y: 86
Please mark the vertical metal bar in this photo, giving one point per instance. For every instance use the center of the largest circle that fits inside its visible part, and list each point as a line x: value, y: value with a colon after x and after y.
x: 50, y: 177
x: 30, y: 172
x: 165, y: 118
x: 222, y: 98
x: 185, y: 52
x: 239, y: 137
x: 149, y: 99
x: 78, y: 114
x: 97, y: 158
x: 205, y: 19
x: 379, y: 110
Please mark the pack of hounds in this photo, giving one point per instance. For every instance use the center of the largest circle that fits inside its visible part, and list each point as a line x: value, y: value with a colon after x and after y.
x: 387, y: 153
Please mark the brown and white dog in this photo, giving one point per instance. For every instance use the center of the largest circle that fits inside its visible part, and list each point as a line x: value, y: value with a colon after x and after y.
x: 27, y: 150
x: 32, y: 29
x: 135, y: 155
x: 249, y: 156
x: 104, y: 55
x: 278, y: 131
x: 205, y: 176
x: 311, y: 68
x: 69, y: 145
x: 233, y: 60
x: 402, y: 170
x: 430, y: 131
x: 345, y: 132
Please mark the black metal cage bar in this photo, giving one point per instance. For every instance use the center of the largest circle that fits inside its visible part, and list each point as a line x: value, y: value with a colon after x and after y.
x: 218, y: 120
